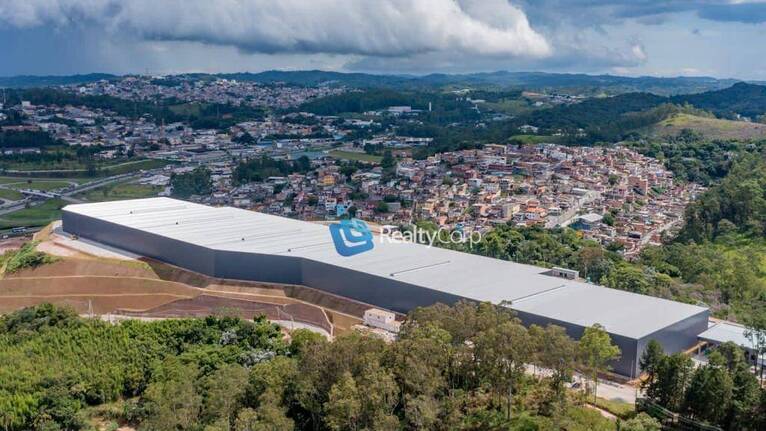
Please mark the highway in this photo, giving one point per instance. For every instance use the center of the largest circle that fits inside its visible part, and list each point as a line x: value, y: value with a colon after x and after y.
x: 37, y: 197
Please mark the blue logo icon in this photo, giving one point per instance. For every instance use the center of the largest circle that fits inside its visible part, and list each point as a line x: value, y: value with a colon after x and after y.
x: 351, y: 237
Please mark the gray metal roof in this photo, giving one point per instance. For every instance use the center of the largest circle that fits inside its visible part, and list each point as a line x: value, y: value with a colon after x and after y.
x: 721, y: 332
x: 466, y: 275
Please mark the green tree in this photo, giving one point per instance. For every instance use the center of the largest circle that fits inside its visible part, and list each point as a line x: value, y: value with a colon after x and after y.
x: 608, y: 219
x: 225, y: 389
x: 709, y: 394
x: 746, y: 389
x: 627, y: 277
x: 268, y: 416
x: 196, y: 182
x: 597, y: 351
x: 172, y: 401
x: 641, y: 422
x: 502, y: 353
x: 590, y: 258
x: 650, y: 362
x: 344, y: 405
x: 556, y: 351
x: 754, y: 319
x: 673, y: 376
x: 379, y: 396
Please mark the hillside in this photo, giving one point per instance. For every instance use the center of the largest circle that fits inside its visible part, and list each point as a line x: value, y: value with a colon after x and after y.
x: 711, y: 128
x: 612, y: 118
x: 563, y: 82
x: 748, y: 100
x: 26, y: 81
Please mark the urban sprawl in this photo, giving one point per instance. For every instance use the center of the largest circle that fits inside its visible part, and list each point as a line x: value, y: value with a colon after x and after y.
x: 610, y: 194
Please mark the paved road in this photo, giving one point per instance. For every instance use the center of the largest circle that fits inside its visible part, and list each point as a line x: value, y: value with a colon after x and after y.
x: 33, y: 197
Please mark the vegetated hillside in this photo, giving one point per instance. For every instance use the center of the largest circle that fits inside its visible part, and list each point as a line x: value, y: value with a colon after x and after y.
x: 612, y: 118
x: 566, y: 82
x: 446, y: 108
x: 600, y: 118
x: 316, y: 77
x: 460, y: 367
x: 736, y: 205
x: 692, y: 157
x: 709, y: 127
x: 748, y: 100
x: 578, y: 82
x: 25, y: 81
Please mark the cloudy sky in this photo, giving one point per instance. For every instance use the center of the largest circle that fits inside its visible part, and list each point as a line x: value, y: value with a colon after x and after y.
x: 721, y: 38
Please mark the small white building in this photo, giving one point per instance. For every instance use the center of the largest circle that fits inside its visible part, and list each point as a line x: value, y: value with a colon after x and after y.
x: 382, y: 319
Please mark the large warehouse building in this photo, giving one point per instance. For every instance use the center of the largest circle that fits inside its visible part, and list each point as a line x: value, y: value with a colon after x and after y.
x: 238, y: 244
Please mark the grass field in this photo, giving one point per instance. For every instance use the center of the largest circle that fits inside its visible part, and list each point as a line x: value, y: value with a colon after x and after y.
x: 79, y: 170
x: 115, y: 192
x: 38, y: 215
x: 192, y: 109
x: 350, y: 155
x: 712, y: 128
x: 620, y: 409
x: 10, y: 180
x: 10, y: 195
x: 509, y: 106
x: 39, y: 184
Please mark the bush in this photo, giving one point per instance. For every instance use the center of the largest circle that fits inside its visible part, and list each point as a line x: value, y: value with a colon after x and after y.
x: 25, y: 257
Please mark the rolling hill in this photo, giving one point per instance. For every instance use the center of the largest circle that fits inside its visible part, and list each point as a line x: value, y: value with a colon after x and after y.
x: 563, y: 82
x: 28, y: 81
x: 712, y: 128
x: 611, y: 118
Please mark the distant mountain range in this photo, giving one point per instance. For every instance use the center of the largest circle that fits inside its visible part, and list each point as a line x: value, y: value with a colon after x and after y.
x: 564, y: 82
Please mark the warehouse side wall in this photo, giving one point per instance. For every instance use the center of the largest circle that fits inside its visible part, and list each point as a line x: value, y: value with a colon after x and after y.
x: 382, y: 292
x: 179, y: 253
x: 680, y: 336
x: 626, y: 365
x: 257, y: 267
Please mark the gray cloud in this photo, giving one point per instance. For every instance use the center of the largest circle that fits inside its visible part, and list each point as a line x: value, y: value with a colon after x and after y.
x: 376, y: 28
x: 416, y: 36
x: 599, y: 12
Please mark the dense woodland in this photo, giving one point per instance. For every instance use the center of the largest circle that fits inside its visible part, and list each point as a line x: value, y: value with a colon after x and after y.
x: 259, y: 169
x: 460, y: 367
x: 692, y: 157
x: 196, y: 182
x: 26, y: 139
x: 454, y: 123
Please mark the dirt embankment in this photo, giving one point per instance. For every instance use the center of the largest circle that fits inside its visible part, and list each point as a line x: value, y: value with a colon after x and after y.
x: 153, y: 289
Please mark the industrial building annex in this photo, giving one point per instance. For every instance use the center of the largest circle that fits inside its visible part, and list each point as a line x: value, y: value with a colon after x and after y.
x: 245, y: 245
